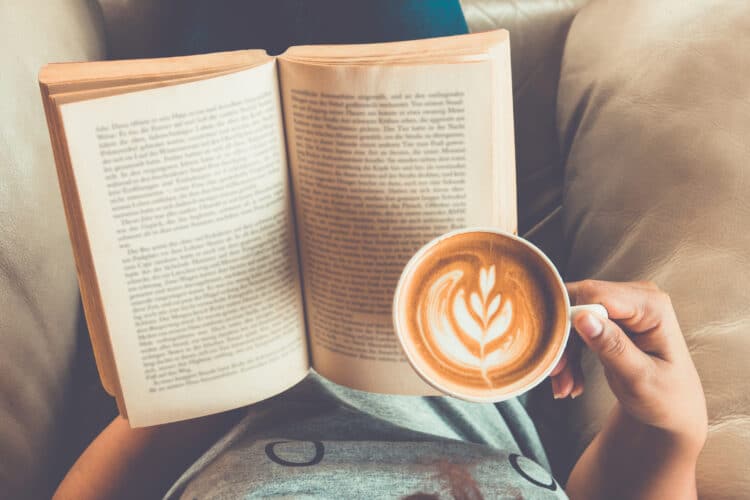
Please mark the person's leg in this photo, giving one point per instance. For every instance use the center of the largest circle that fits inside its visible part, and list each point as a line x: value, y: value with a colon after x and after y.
x: 275, y: 25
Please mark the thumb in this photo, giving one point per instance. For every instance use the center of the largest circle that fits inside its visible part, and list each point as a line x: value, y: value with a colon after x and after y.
x: 615, y: 350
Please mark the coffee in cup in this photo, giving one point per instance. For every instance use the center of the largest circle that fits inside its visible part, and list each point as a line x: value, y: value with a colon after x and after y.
x: 482, y: 315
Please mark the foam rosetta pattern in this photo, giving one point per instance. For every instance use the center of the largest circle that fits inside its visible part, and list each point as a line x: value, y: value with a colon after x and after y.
x: 481, y: 315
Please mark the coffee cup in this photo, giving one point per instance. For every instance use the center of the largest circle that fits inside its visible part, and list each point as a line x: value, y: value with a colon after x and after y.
x: 483, y: 315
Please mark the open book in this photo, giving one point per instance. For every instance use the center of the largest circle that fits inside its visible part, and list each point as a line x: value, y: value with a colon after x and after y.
x: 239, y: 219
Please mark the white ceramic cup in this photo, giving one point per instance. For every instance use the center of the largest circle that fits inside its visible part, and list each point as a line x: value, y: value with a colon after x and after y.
x: 415, y: 355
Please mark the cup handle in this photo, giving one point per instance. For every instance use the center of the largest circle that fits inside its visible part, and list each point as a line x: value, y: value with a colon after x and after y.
x: 597, y: 309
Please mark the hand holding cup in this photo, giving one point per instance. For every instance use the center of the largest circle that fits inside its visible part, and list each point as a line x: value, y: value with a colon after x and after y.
x: 644, y: 355
x: 482, y: 315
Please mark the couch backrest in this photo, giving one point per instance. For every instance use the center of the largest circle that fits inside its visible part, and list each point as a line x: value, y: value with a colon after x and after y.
x: 38, y: 288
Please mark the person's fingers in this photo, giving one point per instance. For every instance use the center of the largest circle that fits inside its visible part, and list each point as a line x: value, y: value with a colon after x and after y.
x: 612, y: 346
x: 557, y: 379
x: 563, y: 383
x: 563, y: 377
x: 554, y: 385
x: 577, y: 371
x: 560, y: 366
x: 649, y: 285
x: 574, y: 362
x: 640, y: 308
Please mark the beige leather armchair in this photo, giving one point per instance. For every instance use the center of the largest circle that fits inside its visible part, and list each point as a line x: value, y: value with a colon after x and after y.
x: 631, y: 125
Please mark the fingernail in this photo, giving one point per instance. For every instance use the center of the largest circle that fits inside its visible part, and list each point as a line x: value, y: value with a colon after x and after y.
x: 590, y: 326
x: 555, y: 388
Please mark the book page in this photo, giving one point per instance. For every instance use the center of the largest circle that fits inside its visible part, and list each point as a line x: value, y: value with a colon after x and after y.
x: 384, y: 158
x: 186, y: 202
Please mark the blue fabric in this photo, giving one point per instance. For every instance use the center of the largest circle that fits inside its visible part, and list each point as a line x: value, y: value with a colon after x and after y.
x: 274, y: 25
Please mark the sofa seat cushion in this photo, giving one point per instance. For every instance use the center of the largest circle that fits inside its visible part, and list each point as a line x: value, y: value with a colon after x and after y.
x: 654, y: 116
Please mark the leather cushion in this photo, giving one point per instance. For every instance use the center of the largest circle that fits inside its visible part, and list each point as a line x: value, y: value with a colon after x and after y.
x: 38, y: 288
x: 654, y: 116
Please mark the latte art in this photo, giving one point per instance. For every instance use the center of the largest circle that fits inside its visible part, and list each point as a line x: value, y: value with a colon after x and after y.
x: 480, y: 312
x: 475, y: 329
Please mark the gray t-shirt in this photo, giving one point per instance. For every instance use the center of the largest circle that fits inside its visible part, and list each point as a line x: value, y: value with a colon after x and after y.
x: 321, y: 440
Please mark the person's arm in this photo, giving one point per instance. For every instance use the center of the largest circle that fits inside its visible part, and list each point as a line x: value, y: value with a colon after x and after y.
x: 140, y: 463
x: 649, y: 446
x: 630, y: 460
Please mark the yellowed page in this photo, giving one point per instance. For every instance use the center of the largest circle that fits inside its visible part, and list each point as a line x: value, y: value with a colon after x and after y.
x: 90, y: 75
x: 186, y: 200
x: 383, y: 159
x: 444, y: 49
